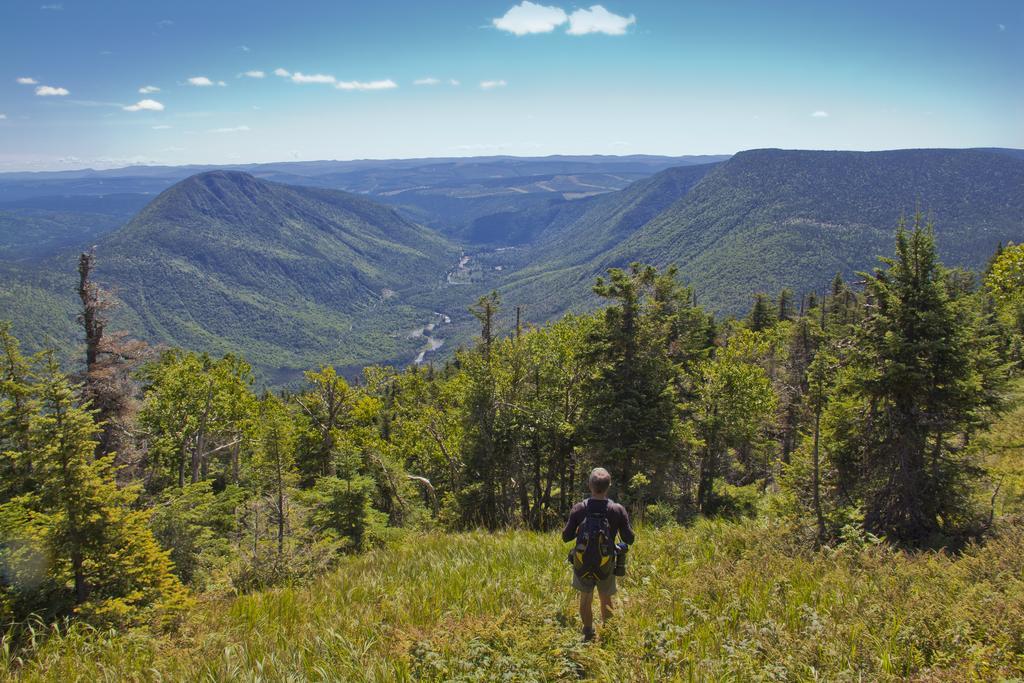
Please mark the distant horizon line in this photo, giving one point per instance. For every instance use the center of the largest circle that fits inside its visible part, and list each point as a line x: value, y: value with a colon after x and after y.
x: 724, y: 155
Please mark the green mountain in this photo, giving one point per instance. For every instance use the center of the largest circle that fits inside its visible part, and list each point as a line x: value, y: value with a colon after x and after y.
x: 288, y: 276
x: 294, y: 276
x: 769, y: 218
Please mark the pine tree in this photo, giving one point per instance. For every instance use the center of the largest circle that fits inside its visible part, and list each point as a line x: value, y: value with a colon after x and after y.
x: 762, y: 313
x: 483, y: 500
x: 93, y: 539
x: 917, y: 372
x: 16, y: 406
x: 786, y: 306
x: 631, y: 416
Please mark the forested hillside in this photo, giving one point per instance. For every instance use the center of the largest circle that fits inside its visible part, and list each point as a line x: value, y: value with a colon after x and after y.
x: 292, y: 275
x: 228, y: 263
x: 865, y: 445
x: 768, y: 219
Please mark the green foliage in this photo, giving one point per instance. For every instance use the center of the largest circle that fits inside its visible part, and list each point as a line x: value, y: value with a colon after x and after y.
x: 287, y: 276
x: 913, y: 386
x: 762, y: 314
x: 767, y: 219
x: 733, y: 404
x: 630, y: 422
x: 196, y: 411
x: 865, y: 411
x: 342, y: 510
x: 75, y: 543
x: 198, y: 526
x: 715, y: 601
x: 326, y: 409
x: 1005, y: 281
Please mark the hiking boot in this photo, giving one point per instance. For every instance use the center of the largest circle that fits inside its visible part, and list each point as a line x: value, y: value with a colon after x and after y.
x: 588, y: 634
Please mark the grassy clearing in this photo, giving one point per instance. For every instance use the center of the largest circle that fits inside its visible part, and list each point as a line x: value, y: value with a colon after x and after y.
x: 717, y: 601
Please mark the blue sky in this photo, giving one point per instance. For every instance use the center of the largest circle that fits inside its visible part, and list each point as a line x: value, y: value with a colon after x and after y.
x: 446, y: 78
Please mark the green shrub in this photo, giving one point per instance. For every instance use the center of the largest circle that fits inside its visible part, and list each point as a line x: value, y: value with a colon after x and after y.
x: 659, y: 514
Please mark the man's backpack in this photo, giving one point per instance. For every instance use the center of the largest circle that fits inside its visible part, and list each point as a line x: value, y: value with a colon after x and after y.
x: 593, y: 558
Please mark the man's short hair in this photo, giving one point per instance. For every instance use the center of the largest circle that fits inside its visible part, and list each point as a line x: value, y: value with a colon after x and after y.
x: 599, y: 480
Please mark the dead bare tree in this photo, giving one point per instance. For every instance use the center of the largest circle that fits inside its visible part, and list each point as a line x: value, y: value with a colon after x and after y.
x: 110, y: 359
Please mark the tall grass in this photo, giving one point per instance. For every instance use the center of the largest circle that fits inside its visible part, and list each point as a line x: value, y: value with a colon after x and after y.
x: 716, y: 601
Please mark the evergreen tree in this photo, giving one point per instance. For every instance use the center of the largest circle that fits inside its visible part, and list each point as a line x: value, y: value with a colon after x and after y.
x: 100, y: 557
x: 630, y: 421
x: 16, y: 406
x: 483, y: 499
x: 917, y: 375
x: 762, y: 313
x: 787, y: 309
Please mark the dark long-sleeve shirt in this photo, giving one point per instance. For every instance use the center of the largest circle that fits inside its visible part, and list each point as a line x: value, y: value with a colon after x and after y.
x: 618, y: 520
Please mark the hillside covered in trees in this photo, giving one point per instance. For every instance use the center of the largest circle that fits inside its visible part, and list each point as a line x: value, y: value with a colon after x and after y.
x: 824, y: 487
x: 292, y: 275
x: 768, y: 219
x: 225, y: 262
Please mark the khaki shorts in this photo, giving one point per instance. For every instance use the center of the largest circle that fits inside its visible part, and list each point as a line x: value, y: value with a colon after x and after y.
x: 604, y: 586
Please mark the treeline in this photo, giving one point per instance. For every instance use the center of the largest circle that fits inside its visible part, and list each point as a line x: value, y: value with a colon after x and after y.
x: 157, y: 470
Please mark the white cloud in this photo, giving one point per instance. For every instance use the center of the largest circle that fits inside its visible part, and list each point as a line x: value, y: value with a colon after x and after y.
x: 3, y: 117
x: 162, y: 126
x: 254, y: 74
x: 234, y: 129
x: 598, y: 20
x: 55, y: 7
x: 426, y: 81
x: 386, y: 84
x: 244, y: 48
x: 50, y: 91
x: 528, y: 17
x: 27, y: 80
x: 299, y: 77
x: 283, y: 73
x: 819, y: 114
x: 1001, y: 27
x: 145, y: 105
x: 488, y: 85
x: 200, y: 81
x: 454, y: 82
x: 148, y: 89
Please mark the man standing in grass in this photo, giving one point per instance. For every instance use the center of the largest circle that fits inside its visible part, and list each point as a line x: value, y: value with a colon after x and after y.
x: 594, y: 524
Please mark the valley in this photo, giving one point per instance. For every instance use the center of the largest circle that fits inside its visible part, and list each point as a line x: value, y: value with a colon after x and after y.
x: 291, y: 274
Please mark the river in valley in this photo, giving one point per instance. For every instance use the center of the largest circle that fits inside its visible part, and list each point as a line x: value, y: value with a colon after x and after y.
x: 431, y: 342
